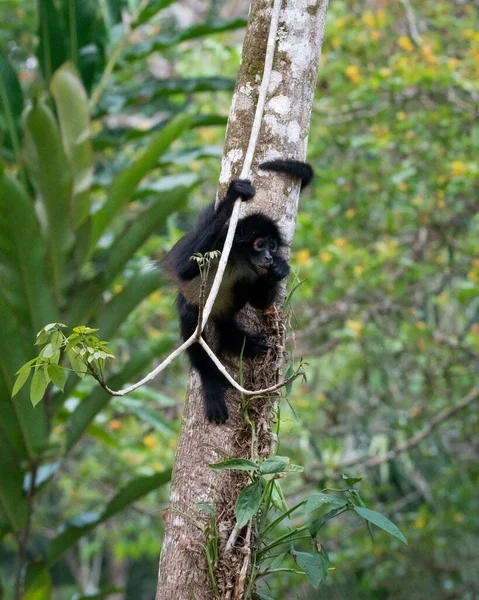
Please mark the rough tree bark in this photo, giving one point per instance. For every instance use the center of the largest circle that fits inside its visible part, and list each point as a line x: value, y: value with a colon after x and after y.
x: 183, y: 567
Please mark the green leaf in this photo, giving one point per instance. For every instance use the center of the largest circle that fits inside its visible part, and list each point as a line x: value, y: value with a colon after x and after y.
x: 90, y: 406
x: 236, y: 464
x: 316, y: 525
x: 11, y: 103
x: 278, y: 499
x: 318, y: 499
x: 40, y: 588
x: 380, y: 521
x: 12, y: 500
x: 150, y: 10
x: 51, y: 176
x: 73, y: 114
x: 77, y: 363
x: 172, y: 38
x: 22, y: 258
x: 40, y: 381
x: 22, y: 376
x: 82, y: 524
x: 248, y: 503
x: 274, y: 464
x: 351, y: 480
x: 127, y: 181
x: 57, y: 375
x: 314, y: 565
x: 51, y: 49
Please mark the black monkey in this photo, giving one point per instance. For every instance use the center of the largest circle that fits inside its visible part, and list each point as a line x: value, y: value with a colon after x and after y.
x: 252, y: 275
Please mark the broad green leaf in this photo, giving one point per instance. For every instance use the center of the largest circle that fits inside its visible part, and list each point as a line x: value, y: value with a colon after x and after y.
x: 166, y: 38
x: 351, y: 480
x: 135, y: 236
x: 40, y: 589
x: 51, y: 176
x: 22, y: 377
x: 274, y: 464
x: 12, y: 500
x: 380, y: 521
x: 236, y: 464
x: 248, y: 503
x: 51, y: 49
x: 127, y: 181
x: 82, y: 524
x: 11, y: 103
x: 40, y: 381
x: 57, y: 375
x: 73, y: 114
x: 22, y: 256
x: 25, y: 427
x: 114, y: 314
x: 150, y: 10
x: 316, y: 525
x: 278, y: 499
x: 90, y: 406
x: 319, y: 499
x: 314, y: 565
x: 77, y: 363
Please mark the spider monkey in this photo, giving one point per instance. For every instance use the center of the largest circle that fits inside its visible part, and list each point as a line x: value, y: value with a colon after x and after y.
x: 252, y: 275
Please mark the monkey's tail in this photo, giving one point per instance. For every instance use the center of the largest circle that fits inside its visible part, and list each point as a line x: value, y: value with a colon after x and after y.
x: 297, y: 168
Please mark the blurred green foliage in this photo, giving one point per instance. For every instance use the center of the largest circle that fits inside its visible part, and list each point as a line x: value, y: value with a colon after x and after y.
x: 387, y: 318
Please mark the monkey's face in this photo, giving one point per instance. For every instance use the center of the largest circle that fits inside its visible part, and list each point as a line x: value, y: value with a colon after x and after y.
x: 262, y: 253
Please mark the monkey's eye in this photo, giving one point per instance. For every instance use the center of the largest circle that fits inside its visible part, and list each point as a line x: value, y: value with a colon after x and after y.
x: 258, y: 245
x: 273, y: 245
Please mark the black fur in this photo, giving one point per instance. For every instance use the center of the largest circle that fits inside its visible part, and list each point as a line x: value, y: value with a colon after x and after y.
x: 253, y: 274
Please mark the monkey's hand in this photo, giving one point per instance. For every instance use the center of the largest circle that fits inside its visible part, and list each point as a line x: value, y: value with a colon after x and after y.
x: 240, y: 188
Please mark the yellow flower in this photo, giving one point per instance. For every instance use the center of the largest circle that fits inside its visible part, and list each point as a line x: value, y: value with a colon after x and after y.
x: 384, y: 72
x: 341, y: 22
x: 325, y: 256
x: 155, y: 296
x: 458, y: 168
x: 114, y: 425
x: 150, y: 441
x: 350, y: 214
x: 158, y: 466
x: 375, y: 186
x: 405, y: 43
x: 402, y: 186
x: 355, y: 326
x: 358, y: 270
x: 117, y: 288
x: 441, y: 203
x: 410, y: 135
x: 421, y: 325
x: 375, y: 35
x: 368, y: 19
x: 401, y: 116
x: 468, y: 9
x: 353, y: 73
x: 417, y: 200
x: 302, y: 257
x: 340, y: 242
x: 469, y: 33
x: 420, y: 522
x: 302, y: 403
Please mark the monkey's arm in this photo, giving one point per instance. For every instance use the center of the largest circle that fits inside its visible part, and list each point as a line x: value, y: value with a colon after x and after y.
x: 263, y: 292
x: 209, y: 232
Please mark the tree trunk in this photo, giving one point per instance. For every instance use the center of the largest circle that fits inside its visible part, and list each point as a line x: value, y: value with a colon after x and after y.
x: 183, y: 566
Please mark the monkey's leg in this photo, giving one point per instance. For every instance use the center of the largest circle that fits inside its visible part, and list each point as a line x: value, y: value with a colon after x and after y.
x: 213, y: 382
x: 232, y: 337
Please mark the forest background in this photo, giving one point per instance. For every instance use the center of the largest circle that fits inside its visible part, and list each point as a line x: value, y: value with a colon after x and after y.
x: 386, y: 316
